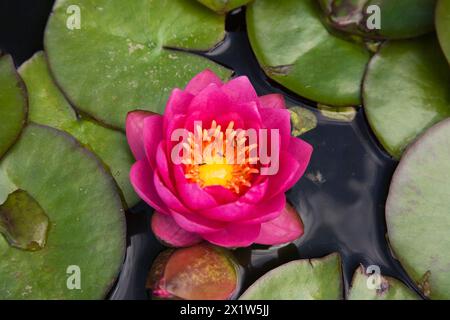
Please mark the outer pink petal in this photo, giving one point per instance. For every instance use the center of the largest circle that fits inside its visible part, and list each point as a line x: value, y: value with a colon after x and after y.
x: 162, y: 165
x: 273, y: 207
x: 256, y: 193
x: 288, y: 174
x: 134, y: 131
x: 301, y: 151
x: 201, y: 81
x: 192, y: 222
x: 170, y: 199
x: 177, y: 104
x: 284, y: 229
x: 141, y: 176
x: 279, y: 119
x: 167, y: 230
x: 234, y: 235
x: 240, y: 90
x: 152, y: 136
x: 272, y: 101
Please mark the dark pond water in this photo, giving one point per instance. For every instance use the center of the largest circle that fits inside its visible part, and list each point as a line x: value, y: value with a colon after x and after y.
x: 342, y: 207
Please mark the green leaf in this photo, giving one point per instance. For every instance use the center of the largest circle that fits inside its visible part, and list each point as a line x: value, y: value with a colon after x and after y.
x: 129, y: 55
x: 48, y: 106
x: 295, y: 49
x: 223, y: 6
x: 406, y: 91
x: 316, y: 279
x: 398, y: 19
x: 346, y: 114
x: 302, y: 120
x: 13, y: 104
x: 443, y: 25
x: 389, y: 288
x: 417, y: 211
x: 87, y: 225
x: 23, y: 222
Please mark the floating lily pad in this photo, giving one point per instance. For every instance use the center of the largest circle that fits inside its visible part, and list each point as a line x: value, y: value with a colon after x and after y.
x: 406, y: 90
x: 87, y: 227
x: 23, y: 222
x: 13, y: 104
x: 129, y: 55
x: 317, y: 279
x: 223, y: 6
x: 397, y: 19
x: 346, y: 114
x: 418, y: 211
x: 295, y: 49
x: 382, y: 288
x: 48, y: 106
x: 443, y: 25
x: 302, y: 120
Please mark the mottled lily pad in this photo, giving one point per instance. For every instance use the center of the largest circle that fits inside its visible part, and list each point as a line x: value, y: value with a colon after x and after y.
x: 397, y: 19
x: 295, y: 49
x: 87, y: 226
x: 317, y: 279
x: 223, y: 6
x: 302, y: 120
x: 125, y: 54
x: 48, y: 106
x: 380, y: 288
x: 418, y: 211
x: 406, y: 90
x: 13, y: 104
x: 23, y: 222
x: 346, y: 114
x: 443, y: 25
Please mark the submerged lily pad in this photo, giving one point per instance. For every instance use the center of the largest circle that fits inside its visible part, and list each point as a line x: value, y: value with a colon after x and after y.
x: 346, y: 114
x: 406, y: 90
x: 13, y: 104
x: 443, y: 25
x: 316, y: 279
x: 397, y: 19
x: 48, y: 106
x: 87, y: 226
x: 223, y: 6
x: 129, y: 55
x: 295, y: 49
x: 302, y: 120
x: 418, y: 211
x: 23, y: 222
x: 386, y: 288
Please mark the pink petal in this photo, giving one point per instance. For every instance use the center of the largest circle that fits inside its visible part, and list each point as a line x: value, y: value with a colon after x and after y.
x: 250, y: 113
x: 210, y: 102
x: 201, y: 81
x: 163, y: 166
x: 221, y: 194
x: 275, y: 101
x: 192, y: 222
x: 256, y: 193
x: 240, y: 90
x: 171, y: 200
x: 288, y: 174
x: 301, y: 151
x: 192, y: 195
x: 284, y: 229
x: 273, y: 207
x: 134, y: 131
x: 279, y: 119
x: 141, y: 177
x: 234, y: 235
x: 152, y: 136
x: 177, y: 104
x: 167, y: 230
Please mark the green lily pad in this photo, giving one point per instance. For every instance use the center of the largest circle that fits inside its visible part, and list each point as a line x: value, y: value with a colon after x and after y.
x: 316, y: 279
x: 48, y: 106
x: 223, y: 6
x: 388, y: 289
x: 397, y: 19
x: 302, y: 120
x: 443, y: 25
x: 406, y: 91
x: 13, y: 104
x: 295, y: 49
x: 87, y: 226
x: 346, y: 114
x: 418, y: 211
x: 23, y: 222
x: 129, y: 55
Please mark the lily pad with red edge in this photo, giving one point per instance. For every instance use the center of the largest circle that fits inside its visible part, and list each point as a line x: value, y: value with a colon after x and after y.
x: 378, y: 288
x: 316, y: 279
x: 398, y: 19
x: 130, y: 55
x: 13, y: 104
x: 443, y: 25
x: 295, y: 49
x: 87, y: 225
x: 223, y: 6
x: 200, y: 272
x: 417, y: 211
x: 406, y: 91
x: 48, y: 106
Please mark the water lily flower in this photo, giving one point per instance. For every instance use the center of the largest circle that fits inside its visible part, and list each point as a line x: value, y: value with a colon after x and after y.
x: 213, y: 197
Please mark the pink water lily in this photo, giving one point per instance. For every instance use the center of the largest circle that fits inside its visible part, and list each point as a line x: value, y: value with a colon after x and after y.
x: 228, y: 204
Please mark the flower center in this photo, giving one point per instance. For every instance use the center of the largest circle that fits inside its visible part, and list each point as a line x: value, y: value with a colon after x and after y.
x: 220, y: 158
